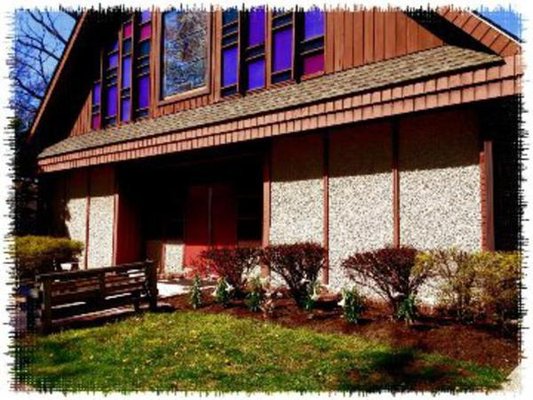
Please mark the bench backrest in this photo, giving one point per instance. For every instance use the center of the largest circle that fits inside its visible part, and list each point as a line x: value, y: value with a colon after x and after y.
x: 96, y: 285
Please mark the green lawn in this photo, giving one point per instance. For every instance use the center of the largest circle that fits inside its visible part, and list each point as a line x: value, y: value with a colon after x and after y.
x: 198, y: 351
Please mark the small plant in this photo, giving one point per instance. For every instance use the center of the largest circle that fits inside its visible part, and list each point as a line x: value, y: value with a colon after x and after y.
x: 299, y: 265
x: 390, y: 272
x: 352, y: 304
x: 223, y: 292
x: 407, y: 310
x: 196, y: 293
x: 256, y: 294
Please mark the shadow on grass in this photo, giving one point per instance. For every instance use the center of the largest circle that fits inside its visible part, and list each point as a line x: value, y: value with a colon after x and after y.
x: 401, y: 370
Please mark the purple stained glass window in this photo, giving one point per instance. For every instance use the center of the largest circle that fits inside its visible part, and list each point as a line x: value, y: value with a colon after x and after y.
x: 125, y: 110
x: 127, y: 30
x: 282, y: 47
x: 113, y: 60
x: 313, y: 63
x: 96, y: 94
x: 229, y: 66
x: 114, y: 46
x: 256, y: 74
x: 111, y: 101
x: 126, y: 72
x: 256, y: 29
x: 313, y: 23
x: 95, y: 121
x: 145, y: 16
x: 143, y: 86
x: 146, y: 31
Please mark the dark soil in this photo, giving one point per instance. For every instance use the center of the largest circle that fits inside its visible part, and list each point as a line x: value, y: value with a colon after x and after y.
x: 482, y: 344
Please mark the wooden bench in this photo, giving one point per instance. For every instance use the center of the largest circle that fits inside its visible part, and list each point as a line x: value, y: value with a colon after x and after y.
x: 73, y: 293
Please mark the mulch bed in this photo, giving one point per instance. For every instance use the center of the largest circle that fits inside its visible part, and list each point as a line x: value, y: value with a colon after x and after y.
x: 483, y: 344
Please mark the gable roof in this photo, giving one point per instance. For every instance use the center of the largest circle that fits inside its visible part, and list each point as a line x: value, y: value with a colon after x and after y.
x: 412, y: 67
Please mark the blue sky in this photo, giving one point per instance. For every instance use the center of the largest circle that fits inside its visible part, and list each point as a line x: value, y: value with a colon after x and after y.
x: 506, y: 18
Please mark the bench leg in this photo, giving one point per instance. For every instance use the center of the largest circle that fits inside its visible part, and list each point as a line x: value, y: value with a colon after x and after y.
x: 137, y: 301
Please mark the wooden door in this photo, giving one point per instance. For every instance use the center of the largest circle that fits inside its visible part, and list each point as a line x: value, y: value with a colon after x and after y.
x: 210, y: 219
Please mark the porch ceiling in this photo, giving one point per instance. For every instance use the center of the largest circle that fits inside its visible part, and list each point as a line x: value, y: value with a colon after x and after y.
x: 214, y: 119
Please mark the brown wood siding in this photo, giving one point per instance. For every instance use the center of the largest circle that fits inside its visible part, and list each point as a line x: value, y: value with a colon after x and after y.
x: 83, y: 122
x: 367, y: 36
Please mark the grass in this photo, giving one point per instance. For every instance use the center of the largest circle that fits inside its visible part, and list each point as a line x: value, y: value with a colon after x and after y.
x: 193, y: 351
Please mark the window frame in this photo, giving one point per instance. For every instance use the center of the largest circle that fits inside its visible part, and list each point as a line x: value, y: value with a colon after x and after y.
x: 158, y: 72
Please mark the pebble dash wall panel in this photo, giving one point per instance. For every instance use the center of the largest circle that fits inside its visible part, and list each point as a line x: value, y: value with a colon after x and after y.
x: 360, y: 193
x: 440, y: 200
x: 297, y: 190
x: 75, y: 216
x: 101, y: 217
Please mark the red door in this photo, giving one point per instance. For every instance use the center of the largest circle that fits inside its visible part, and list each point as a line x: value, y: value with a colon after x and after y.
x: 210, y: 220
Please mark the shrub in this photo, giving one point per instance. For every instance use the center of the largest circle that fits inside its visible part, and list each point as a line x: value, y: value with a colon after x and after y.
x: 223, y: 291
x: 298, y: 264
x: 232, y: 264
x: 195, y: 294
x: 476, y: 285
x: 456, y: 272
x: 389, y: 272
x: 352, y: 304
x: 41, y: 254
x: 498, y: 277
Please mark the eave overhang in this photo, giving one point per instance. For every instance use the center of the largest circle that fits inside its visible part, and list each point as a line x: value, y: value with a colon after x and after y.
x: 438, y: 77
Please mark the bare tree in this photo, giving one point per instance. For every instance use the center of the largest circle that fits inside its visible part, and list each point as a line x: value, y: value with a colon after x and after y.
x: 40, y: 38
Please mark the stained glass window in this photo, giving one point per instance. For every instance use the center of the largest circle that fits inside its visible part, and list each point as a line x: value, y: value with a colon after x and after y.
x: 96, y: 103
x: 110, y: 83
x: 125, y: 84
x: 185, y: 48
x: 142, y: 66
x: 230, y: 51
x: 282, y: 45
x: 312, y: 44
x: 254, y: 53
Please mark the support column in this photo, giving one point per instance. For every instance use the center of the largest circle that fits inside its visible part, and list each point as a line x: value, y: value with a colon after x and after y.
x: 267, y: 176
x: 487, y: 193
x: 325, y: 177
x: 395, y: 184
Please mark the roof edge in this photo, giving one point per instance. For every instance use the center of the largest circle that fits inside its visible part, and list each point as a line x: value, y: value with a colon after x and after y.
x: 57, y: 72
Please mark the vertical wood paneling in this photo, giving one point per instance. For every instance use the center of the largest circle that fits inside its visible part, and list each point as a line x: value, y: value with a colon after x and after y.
x: 348, y: 40
x: 329, y: 64
x: 412, y: 35
x: 401, y: 34
x: 339, y: 39
x: 368, y: 36
x: 358, y: 38
x: 379, y: 35
x: 390, y: 34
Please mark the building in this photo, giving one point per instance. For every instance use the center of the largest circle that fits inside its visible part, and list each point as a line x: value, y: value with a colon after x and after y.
x: 164, y: 133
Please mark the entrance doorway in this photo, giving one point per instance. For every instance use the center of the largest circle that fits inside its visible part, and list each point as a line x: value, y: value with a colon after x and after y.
x: 210, y: 219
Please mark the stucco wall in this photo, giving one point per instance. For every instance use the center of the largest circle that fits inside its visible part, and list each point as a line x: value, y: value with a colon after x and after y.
x: 75, y: 215
x: 440, y: 204
x: 297, y: 190
x: 101, y: 216
x: 173, y: 257
x: 360, y: 194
